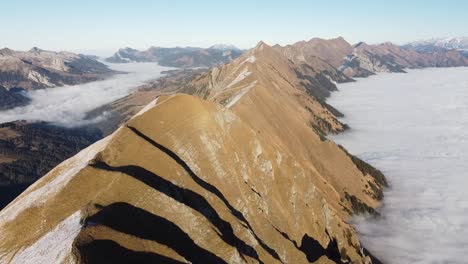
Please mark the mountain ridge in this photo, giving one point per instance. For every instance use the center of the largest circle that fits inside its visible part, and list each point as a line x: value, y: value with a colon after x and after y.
x: 363, y: 60
x: 39, y: 68
x: 458, y: 43
x: 230, y: 184
x: 188, y: 57
x: 232, y: 161
x: 22, y: 71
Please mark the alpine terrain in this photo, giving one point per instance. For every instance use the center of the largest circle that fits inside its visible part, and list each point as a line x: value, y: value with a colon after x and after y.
x: 188, y: 57
x: 22, y: 71
x: 233, y: 167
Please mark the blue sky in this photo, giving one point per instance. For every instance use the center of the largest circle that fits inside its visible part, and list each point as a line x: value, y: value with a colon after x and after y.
x: 108, y: 25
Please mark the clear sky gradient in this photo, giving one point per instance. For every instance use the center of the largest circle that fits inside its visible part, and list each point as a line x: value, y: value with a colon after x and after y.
x: 108, y: 25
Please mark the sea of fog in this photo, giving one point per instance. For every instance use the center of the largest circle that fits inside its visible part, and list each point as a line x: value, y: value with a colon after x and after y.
x: 414, y: 127
x: 68, y: 105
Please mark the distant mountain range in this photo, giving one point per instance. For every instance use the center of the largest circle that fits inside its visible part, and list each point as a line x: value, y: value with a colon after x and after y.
x: 224, y: 46
x: 189, y: 57
x: 457, y: 43
x: 361, y: 60
x: 37, y: 69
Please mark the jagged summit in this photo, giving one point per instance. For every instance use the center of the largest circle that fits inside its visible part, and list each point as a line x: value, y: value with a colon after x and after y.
x: 259, y: 46
x: 458, y: 43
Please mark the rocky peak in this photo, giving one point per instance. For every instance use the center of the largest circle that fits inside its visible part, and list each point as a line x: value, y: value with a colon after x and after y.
x: 6, y: 52
x: 260, y: 45
x: 35, y: 50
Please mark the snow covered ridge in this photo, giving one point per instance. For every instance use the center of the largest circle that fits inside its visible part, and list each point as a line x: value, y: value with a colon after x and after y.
x: 224, y: 47
x: 460, y: 43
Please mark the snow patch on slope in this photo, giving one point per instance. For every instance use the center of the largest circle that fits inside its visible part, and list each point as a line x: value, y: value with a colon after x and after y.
x: 147, y: 107
x: 239, y: 95
x: 65, y: 172
x: 244, y: 74
x: 251, y: 59
x: 53, y: 247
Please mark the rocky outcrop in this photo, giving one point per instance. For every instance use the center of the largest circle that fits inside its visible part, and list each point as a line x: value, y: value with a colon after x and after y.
x: 177, y: 57
x: 38, y: 68
x: 235, y: 174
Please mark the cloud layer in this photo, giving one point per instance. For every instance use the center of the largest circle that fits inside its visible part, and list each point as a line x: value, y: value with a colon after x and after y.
x: 414, y: 127
x: 68, y: 105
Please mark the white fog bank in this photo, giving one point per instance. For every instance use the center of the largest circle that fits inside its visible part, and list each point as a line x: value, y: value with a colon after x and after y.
x: 68, y: 105
x: 414, y: 127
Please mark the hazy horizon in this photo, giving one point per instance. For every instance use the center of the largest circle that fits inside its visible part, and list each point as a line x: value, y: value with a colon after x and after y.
x: 105, y: 26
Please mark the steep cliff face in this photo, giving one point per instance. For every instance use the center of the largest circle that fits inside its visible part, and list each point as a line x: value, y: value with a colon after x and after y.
x: 239, y: 174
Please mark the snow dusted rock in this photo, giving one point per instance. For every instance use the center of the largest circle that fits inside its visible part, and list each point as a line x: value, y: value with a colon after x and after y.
x: 458, y: 43
x: 224, y: 47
